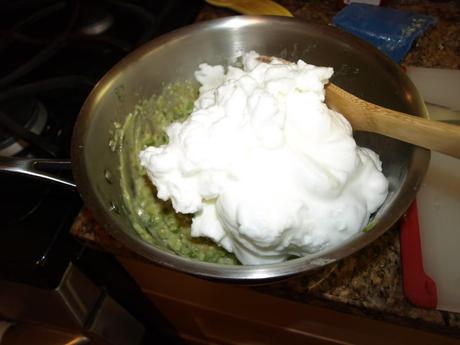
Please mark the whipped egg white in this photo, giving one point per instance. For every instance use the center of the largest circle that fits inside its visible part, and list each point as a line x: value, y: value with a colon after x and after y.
x: 267, y: 170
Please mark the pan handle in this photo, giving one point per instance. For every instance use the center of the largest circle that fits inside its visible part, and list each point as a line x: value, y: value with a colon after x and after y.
x: 37, y: 168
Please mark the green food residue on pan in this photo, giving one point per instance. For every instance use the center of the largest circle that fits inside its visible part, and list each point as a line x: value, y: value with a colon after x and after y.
x: 369, y: 226
x: 155, y: 220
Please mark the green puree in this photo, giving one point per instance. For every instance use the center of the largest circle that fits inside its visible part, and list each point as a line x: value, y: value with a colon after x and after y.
x: 155, y: 220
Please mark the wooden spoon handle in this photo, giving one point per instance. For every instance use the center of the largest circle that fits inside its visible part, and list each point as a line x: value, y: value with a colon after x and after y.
x: 366, y: 116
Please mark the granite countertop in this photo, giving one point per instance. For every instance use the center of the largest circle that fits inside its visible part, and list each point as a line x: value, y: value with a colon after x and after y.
x: 438, y: 47
x: 368, y: 283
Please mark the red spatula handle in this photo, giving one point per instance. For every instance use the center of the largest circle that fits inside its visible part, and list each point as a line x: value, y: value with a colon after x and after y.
x: 419, y: 288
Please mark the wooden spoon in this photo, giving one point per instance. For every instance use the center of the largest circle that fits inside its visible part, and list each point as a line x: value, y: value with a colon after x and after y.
x: 369, y: 117
x: 251, y: 7
x: 366, y: 116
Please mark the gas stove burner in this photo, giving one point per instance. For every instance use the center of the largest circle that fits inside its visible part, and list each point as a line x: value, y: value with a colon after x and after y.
x: 27, y: 112
x: 94, y: 19
x: 52, y: 52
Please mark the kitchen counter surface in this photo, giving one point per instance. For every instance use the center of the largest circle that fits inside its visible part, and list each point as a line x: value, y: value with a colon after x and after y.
x: 439, y: 46
x: 368, y: 283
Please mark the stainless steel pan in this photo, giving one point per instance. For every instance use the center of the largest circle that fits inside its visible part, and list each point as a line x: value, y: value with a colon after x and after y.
x: 359, y: 68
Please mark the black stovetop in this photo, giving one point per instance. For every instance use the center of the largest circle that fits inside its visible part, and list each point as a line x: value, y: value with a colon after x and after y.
x: 52, y: 53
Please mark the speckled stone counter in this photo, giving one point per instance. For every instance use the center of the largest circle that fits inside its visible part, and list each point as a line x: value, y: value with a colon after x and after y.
x: 438, y: 47
x: 369, y: 282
